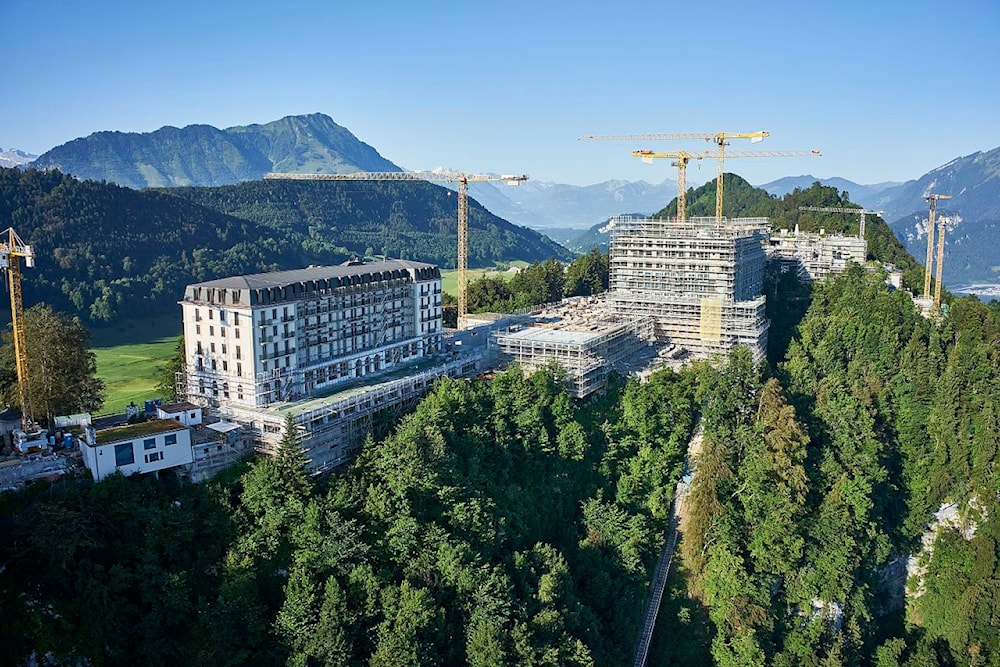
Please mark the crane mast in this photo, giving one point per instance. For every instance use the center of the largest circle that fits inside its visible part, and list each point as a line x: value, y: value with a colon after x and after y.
x: 720, y: 139
x: 461, y: 178
x: 12, y: 249
x: 932, y: 200
x: 683, y: 157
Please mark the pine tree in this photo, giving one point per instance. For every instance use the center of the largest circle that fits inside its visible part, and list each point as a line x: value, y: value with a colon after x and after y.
x: 291, y: 461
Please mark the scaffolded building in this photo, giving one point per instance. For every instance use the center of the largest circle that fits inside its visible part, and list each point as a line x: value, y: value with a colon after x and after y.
x: 701, y: 282
x: 812, y: 257
x: 580, y: 336
x: 329, y: 346
x: 259, y: 339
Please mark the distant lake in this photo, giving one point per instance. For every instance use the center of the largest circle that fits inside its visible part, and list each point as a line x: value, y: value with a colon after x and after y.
x: 985, y: 291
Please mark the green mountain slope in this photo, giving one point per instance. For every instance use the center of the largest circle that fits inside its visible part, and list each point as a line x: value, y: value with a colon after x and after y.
x: 204, y: 155
x: 418, y: 220
x: 105, y: 252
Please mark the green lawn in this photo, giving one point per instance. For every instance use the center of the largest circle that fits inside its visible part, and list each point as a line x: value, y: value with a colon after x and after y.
x: 130, y: 356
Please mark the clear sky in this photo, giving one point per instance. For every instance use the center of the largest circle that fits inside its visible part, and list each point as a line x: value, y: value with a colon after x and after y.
x: 886, y: 89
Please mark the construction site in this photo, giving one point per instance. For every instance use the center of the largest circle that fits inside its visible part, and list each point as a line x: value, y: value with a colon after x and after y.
x: 812, y: 257
x: 332, y: 348
x: 701, y: 283
x: 582, y: 336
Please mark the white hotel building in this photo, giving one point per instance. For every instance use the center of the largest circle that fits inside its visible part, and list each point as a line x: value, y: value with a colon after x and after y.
x: 329, y: 346
x: 274, y: 337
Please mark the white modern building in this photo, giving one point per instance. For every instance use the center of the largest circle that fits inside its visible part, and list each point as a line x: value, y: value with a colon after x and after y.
x: 275, y: 337
x: 136, y: 448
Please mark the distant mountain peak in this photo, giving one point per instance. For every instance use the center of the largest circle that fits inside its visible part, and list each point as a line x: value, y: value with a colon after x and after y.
x: 15, y: 157
x: 201, y: 154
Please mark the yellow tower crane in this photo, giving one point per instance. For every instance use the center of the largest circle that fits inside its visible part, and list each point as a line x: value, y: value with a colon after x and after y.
x: 843, y: 209
x: 683, y: 157
x: 12, y: 249
x: 721, y: 139
x: 932, y: 199
x: 459, y: 177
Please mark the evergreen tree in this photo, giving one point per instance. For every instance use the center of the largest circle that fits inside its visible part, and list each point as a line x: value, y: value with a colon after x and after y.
x: 62, y: 371
x: 291, y: 461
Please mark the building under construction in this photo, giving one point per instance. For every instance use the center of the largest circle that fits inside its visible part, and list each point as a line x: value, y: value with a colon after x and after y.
x: 700, y: 281
x: 329, y: 346
x: 582, y: 336
x: 812, y: 257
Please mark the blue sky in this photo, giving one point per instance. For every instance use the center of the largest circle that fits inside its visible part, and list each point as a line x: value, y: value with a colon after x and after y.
x: 887, y: 90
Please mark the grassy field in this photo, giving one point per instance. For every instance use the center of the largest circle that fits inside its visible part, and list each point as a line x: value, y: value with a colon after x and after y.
x: 130, y: 356
x: 449, y: 277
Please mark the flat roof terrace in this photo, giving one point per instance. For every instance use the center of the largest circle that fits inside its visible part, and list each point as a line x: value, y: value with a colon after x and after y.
x: 137, y: 430
x: 351, y: 389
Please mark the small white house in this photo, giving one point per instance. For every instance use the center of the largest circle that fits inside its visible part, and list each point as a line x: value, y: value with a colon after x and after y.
x: 186, y: 413
x: 137, y: 448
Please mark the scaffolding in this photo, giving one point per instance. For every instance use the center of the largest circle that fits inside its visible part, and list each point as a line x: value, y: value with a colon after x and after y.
x: 701, y: 282
x: 582, y: 337
x: 812, y: 257
x: 331, y: 428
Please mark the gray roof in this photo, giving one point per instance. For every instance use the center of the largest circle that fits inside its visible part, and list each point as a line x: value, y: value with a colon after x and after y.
x: 286, y: 286
x: 286, y: 278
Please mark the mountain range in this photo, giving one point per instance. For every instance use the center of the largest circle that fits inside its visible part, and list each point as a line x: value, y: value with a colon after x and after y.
x: 206, y: 156
x: 545, y: 205
x: 972, y: 239
x: 201, y: 155
x: 866, y: 195
x: 15, y: 158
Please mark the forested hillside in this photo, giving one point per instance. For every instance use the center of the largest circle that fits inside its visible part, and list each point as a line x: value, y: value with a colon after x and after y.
x: 416, y: 220
x: 504, y: 523
x: 105, y: 252
x: 811, y: 494
x: 501, y: 524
